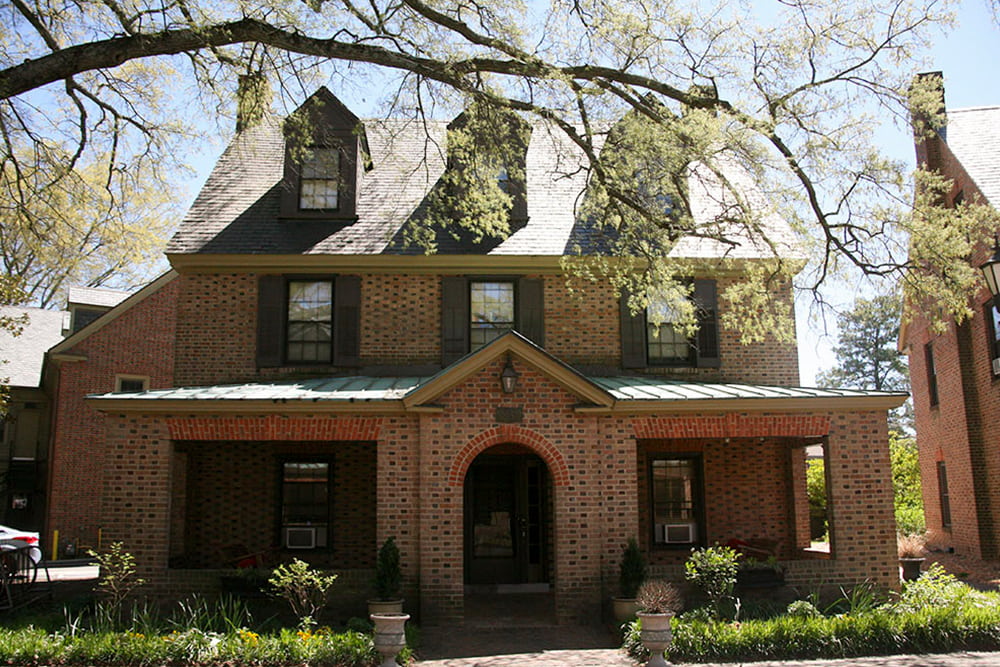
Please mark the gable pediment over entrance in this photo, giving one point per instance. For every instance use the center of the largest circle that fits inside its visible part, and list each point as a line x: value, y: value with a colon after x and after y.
x: 515, y: 345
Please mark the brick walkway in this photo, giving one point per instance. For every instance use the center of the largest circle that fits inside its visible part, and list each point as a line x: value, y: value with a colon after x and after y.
x: 615, y: 658
x: 595, y: 647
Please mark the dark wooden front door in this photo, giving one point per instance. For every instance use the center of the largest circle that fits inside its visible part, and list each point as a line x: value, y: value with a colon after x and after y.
x: 505, y: 520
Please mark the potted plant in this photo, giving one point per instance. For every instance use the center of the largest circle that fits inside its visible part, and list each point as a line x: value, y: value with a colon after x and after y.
x: 631, y: 574
x: 911, y: 555
x: 658, y: 601
x: 387, y: 581
x: 390, y: 636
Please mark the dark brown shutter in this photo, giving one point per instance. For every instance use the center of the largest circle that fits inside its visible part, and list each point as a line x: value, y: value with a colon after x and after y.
x: 347, y: 321
x: 633, y: 336
x: 270, y: 321
x: 454, y: 319
x: 531, y: 309
x: 289, y: 184
x: 707, y: 309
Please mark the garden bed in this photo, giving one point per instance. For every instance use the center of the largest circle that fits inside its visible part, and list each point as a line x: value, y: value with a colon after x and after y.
x: 935, y: 614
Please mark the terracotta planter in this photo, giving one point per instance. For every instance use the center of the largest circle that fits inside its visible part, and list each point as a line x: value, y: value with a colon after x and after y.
x: 390, y: 636
x: 623, y: 610
x: 655, y: 636
x: 911, y: 568
x: 385, y: 606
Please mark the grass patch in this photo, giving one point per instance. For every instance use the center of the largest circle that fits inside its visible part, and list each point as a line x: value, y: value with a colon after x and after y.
x: 934, y: 614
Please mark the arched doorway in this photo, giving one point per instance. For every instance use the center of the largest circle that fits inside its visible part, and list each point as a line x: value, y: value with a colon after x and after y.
x: 507, y: 517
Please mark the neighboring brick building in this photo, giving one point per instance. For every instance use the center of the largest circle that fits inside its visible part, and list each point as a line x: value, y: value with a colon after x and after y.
x: 24, y: 420
x: 127, y: 348
x: 954, y: 375
x: 331, y: 388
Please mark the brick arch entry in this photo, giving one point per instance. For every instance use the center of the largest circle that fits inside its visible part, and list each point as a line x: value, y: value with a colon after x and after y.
x: 509, y: 434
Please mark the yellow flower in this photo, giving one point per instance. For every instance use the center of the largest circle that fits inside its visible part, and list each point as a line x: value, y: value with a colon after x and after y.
x: 249, y: 637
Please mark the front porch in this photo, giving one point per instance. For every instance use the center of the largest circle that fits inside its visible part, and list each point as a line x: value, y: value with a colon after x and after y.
x: 480, y: 486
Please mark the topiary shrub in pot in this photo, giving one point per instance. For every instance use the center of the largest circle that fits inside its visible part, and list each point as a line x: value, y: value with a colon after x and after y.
x: 387, y: 581
x: 631, y: 574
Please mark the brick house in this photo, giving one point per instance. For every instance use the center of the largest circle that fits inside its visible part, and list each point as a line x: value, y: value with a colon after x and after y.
x: 954, y: 375
x: 24, y: 419
x: 317, y: 386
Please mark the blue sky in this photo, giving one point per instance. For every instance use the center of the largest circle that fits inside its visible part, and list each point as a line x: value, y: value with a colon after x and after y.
x: 969, y: 58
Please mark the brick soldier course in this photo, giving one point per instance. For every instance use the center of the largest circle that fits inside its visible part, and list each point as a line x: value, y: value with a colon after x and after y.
x: 409, y: 416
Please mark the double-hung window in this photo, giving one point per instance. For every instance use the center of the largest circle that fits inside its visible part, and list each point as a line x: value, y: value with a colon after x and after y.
x: 944, y: 498
x: 305, y: 504
x: 932, y: 378
x: 667, y: 344
x: 651, y: 337
x: 319, y: 183
x: 477, y: 310
x: 491, y: 306
x: 310, y: 321
x: 675, y: 495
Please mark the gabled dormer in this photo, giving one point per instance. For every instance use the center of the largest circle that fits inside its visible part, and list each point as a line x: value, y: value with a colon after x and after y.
x: 487, y: 162
x: 326, y: 155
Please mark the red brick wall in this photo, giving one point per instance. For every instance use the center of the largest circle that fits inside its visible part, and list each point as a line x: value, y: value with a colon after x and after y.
x: 401, y: 325
x: 744, y: 472
x: 961, y: 430
x: 746, y: 492
x: 232, y: 497
x: 139, y: 342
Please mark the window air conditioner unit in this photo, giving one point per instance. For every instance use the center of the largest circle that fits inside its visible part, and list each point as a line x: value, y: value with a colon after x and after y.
x: 676, y: 533
x: 300, y: 538
x: 996, y: 366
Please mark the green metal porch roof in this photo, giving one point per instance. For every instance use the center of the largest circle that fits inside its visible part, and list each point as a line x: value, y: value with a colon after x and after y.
x: 372, y: 389
x: 655, y: 389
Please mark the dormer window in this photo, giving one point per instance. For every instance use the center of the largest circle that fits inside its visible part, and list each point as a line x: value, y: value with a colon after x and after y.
x: 503, y: 180
x: 325, y: 158
x: 319, y: 185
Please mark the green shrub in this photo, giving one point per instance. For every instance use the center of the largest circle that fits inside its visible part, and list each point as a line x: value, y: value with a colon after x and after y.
x: 935, y: 588
x: 117, y: 582
x: 934, y: 614
x: 303, y: 588
x: 713, y: 570
x: 907, y: 498
x: 631, y: 570
x: 387, y: 573
x: 803, y: 609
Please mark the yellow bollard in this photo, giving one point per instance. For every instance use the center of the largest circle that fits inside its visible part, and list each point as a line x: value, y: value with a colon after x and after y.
x: 100, y: 533
x: 55, y: 545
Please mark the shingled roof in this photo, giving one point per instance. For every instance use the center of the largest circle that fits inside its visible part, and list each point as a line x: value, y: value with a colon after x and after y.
x: 974, y: 138
x: 237, y: 211
x: 21, y: 356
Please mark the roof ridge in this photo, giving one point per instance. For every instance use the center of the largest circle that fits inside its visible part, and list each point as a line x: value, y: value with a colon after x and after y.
x: 988, y: 107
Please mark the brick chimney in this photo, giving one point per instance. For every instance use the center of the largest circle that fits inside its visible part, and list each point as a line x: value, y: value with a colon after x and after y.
x: 253, y: 100
x: 929, y: 134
